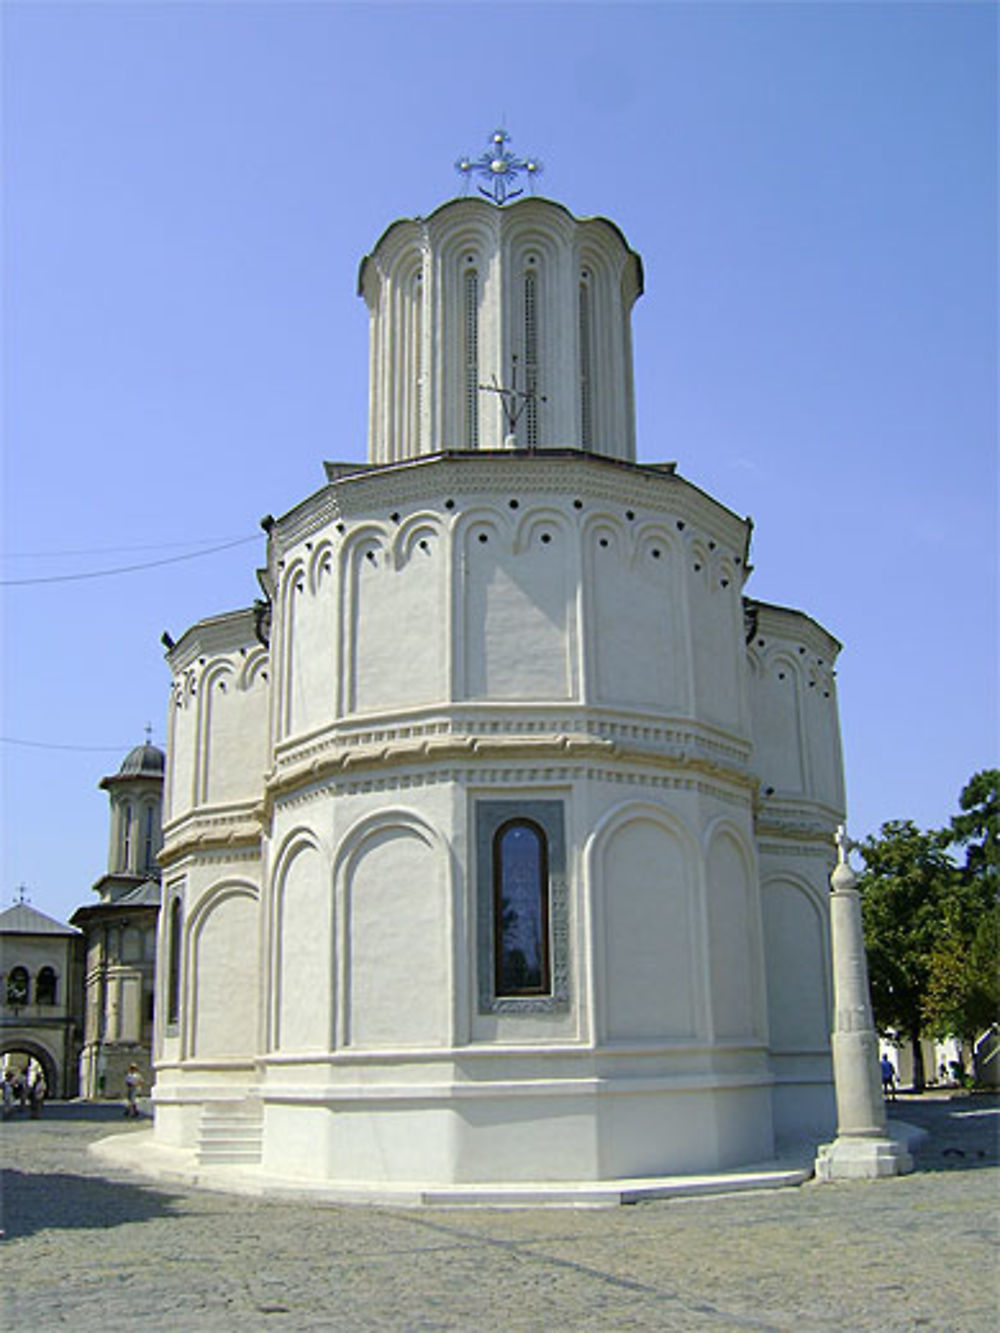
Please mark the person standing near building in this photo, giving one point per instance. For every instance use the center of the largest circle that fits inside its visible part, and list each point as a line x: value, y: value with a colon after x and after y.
x: 888, y: 1078
x: 37, y: 1088
x: 133, y: 1082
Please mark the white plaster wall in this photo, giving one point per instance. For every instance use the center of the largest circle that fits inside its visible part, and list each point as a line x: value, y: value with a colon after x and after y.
x: 647, y: 979
x: 234, y: 700
x: 223, y: 972
x: 182, y: 748
x: 392, y: 591
x: 516, y: 598
x: 397, y: 970
x: 310, y: 666
x: 716, y: 637
x: 798, y: 999
x: 733, y: 938
x: 634, y: 616
x: 303, y: 947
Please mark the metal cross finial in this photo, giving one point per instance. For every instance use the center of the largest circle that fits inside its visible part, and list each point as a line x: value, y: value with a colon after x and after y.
x: 22, y: 894
x: 844, y: 844
x: 500, y: 167
x: 149, y: 733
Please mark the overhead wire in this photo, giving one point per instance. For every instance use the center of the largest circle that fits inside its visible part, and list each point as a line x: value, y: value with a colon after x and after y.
x: 126, y: 569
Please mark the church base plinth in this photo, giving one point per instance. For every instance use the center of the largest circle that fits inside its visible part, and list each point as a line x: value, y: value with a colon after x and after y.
x: 860, y: 1158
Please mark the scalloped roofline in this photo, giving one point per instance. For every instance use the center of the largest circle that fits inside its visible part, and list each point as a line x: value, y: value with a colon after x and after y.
x: 468, y: 201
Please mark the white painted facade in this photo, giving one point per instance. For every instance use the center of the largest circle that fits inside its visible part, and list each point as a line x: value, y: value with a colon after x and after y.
x: 461, y: 634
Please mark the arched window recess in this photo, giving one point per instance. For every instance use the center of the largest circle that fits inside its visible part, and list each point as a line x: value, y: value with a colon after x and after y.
x: 521, y: 909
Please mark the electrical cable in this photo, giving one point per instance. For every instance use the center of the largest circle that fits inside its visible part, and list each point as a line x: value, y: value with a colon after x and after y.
x: 126, y: 569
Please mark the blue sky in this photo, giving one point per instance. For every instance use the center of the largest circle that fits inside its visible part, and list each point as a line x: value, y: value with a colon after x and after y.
x: 189, y: 188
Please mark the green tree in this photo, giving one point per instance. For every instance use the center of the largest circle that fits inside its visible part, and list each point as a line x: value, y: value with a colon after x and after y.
x: 908, y: 891
x: 977, y: 828
x: 963, y: 995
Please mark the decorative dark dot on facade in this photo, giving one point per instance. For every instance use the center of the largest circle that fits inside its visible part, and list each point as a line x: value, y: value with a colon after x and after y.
x: 423, y: 546
x: 370, y: 555
x: 202, y: 661
x: 680, y: 525
x: 655, y: 553
x: 394, y: 517
x: 826, y: 694
x: 577, y: 504
x: 341, y: 529
x: 737, y: 560
x: 483, y: 537
x: 781, y: 675
x: 760, y: 643
x: 604, y: 541
x: 801, y: 651
x: 309, y: 546
x: 724, y: 582
x: 697, y: 569
x: 449, y: 504
x: 630, y: 514
x: 546, y: 538
x: 514, y: 504
x: 711, y: 546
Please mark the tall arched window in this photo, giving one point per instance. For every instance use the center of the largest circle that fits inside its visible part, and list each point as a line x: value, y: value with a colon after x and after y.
x: 126, y: 845
x: 148, y: 839
x: 521, y: 909
x: 174, y: 963
x: 531, y: 354
x: 45, y: 986
x: 17, y: 986
x: 586, y: 369
x: 416, y: 348
x: 471, y: 355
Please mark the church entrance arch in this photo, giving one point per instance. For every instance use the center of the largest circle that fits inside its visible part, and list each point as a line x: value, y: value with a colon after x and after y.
x: 14, y: 1045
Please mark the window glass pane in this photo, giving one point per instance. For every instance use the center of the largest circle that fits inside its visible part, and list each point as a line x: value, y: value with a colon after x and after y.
x: 521, y: 911
x: 174, y: 963
x: 45, y: 986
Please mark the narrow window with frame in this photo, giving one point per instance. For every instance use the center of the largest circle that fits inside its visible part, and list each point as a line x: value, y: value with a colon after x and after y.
x: 586, y: 376
x: 531, y: 355
x: 471, y: 356
x: 126, y: 844
x: 521, y: 909
x: 174, y: 963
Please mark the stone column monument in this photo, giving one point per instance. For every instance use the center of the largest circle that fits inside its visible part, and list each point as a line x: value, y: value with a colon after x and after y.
x: 862, y: 1148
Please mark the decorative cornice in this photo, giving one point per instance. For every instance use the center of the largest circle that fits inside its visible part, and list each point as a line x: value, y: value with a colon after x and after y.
x: 557, y: 756
x: 432, y: 478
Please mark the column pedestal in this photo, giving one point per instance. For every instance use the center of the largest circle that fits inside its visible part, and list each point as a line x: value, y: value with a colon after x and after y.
x: 863, y: 1149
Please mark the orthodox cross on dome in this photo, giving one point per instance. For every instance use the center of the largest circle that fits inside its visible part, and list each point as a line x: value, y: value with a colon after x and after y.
x: 149, y: 733
x: 500, y: 167
x: 22, y: 894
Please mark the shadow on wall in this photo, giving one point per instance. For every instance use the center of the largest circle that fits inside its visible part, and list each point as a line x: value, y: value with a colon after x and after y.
x: 35, y: 1201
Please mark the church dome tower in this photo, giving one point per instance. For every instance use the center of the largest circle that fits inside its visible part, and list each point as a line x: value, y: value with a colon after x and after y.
x: 468, y: 815
x: 525, y: 299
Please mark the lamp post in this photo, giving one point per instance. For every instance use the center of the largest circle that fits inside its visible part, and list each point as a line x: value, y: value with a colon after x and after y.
x: 863, y: 1148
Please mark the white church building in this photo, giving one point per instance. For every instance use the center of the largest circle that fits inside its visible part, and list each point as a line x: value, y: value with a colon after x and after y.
x: 497, y: 836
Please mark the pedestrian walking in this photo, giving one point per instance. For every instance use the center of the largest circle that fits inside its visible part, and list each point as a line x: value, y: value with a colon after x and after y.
x: 888, y: 1078
x: 133, y: 1082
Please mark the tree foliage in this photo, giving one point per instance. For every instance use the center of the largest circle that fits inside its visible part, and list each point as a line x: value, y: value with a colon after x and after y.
x: 906, y: 892
x: 932, y: 927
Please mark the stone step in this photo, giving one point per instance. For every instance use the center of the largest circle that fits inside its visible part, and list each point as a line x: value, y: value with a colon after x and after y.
x: 230, y: 1133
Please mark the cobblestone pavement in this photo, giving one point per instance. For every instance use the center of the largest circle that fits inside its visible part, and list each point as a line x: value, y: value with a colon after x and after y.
x: 92, y: 1251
